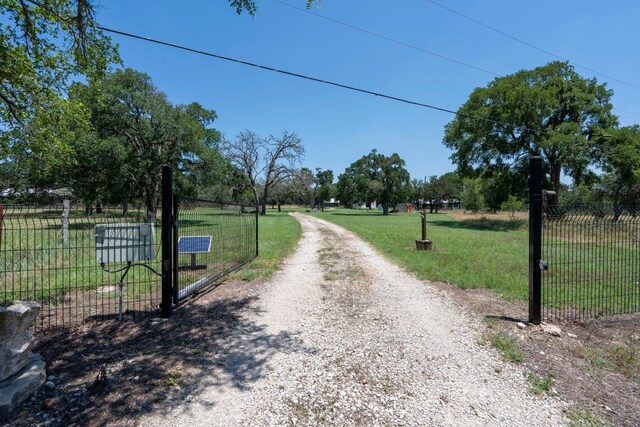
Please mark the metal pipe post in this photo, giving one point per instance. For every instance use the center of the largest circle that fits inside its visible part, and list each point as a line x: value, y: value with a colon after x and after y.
x: 535, y: 240
x: 166, y: 305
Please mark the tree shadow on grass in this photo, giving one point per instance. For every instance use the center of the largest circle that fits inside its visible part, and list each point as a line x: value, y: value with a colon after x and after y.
x: 154, y: 364
x: 483, y: 224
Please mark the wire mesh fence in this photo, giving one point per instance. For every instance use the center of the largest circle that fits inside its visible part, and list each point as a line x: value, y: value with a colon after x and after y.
x: 593, y: 258
x: 212, y: 240
x: 50, y: 254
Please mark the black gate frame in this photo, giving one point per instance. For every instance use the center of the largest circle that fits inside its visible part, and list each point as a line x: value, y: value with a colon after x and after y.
x: 536, y: 264
x: 170, y: 270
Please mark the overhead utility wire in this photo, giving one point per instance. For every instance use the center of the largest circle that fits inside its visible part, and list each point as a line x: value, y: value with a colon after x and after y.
x: 315, y: 79
x: 426, y: 51
x: 531, y: 45
x: 389, y: 39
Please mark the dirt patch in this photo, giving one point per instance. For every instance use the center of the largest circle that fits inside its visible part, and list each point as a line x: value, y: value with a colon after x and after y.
x: 111, y: 372
x: 595, y: 364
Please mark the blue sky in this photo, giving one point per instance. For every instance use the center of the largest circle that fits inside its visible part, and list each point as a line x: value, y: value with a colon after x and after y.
x: 338, y: 126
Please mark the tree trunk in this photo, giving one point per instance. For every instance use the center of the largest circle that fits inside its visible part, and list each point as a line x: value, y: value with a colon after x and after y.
x: 125, y: 209
x: 385, y: 209
x: 151, y: 207
x: 263, y: 210
x: 556, y: 170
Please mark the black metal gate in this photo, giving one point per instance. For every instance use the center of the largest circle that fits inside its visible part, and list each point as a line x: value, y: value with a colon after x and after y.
x: 584, y: 261
x: 211, y: 239
x: 202, y: 241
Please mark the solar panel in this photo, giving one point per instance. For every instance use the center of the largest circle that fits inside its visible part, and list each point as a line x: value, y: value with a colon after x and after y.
x: 194, y: 244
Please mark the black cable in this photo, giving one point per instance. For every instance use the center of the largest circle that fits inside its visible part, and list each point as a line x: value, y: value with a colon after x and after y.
x: 530, y: 45
x: 315, y: 79
x: 389, y: 39
x: 442, y: 56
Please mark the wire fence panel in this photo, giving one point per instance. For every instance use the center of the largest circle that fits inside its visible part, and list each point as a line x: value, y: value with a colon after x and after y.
x: 48, y: 254
x: 593, y: 257
x: 213, y: 239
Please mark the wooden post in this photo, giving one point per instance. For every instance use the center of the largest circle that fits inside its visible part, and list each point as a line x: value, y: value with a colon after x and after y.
x: 64, y: 233
x: 423, y: 244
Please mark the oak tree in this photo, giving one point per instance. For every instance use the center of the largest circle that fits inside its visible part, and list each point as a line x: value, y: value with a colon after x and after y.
x: 550, y: 111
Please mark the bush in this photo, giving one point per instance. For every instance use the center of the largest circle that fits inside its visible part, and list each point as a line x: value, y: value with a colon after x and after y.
x: 512, y: 205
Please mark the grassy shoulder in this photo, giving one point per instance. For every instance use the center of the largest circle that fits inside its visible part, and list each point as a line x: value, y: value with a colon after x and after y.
x: 469, y: 251
x: 278, y: 235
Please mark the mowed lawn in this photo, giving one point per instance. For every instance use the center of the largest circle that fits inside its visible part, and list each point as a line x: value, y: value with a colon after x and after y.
x: 278, y: 235
x: 469, y: 251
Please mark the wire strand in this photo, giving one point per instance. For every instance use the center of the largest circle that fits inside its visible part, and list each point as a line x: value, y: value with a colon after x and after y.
x: 315, y: 79
x: 489, y: 27
x: 389, y: 39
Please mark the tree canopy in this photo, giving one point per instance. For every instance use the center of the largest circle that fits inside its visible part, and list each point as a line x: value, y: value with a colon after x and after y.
x: 42, y: 45
x: 549, y: 111
x: 375, y: 178
x: 135, y: 123
x: 620, y: 160
x: 324, y: 188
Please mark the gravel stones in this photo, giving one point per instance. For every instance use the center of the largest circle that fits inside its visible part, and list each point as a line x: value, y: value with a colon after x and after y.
x: 360, y: 342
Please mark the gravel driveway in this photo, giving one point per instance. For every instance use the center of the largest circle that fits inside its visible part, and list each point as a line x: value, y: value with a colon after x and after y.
x: 347, y: 338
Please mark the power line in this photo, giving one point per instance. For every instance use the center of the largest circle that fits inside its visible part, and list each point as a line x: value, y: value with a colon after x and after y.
x: 389, y: 39
x: 371, y: 33
x: 489, y: 27
x: 302, y: 76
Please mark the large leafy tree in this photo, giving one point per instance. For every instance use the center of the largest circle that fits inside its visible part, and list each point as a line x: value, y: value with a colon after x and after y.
x: 324, y: 188
x: 549, y: 111
x: 620, y: 160
x: 36, y: 156
x: 376, y: 177
x: 127, y: 109
x: 42, y: 45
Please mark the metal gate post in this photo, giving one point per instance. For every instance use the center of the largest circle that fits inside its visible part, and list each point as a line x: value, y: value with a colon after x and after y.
x: 535, y: 239
x: 176, y: 281
x: 166, y: 306
x: 257, y: 216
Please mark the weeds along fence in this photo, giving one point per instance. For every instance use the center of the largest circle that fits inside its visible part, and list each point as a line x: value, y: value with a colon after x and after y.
x: 48, y: 254
x: 211, y: 240
x: 593, y: 258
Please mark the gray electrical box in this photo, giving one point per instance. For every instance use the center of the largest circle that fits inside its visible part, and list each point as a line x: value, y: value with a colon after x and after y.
x: 124, y: 242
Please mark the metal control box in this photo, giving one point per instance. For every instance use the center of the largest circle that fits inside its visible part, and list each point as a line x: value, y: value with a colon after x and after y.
x: 124, y: 242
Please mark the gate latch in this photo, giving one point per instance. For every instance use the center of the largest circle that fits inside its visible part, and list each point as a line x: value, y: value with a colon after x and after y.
x: 543, y: 265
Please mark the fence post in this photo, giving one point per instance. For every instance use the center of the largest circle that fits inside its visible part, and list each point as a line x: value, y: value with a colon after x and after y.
x: 166, y: 305
x: 64, y: 233
x: 257, y: 216
x: 1, y: 222
x: 535, y: 239
x: 176, y: 216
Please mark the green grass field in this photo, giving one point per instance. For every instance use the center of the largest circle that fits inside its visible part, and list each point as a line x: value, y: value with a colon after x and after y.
x: 468, y: 252
x: 278, y: 235
x: 36, y: 264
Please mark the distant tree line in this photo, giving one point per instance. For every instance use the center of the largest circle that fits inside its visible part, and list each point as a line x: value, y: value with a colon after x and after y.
x: 104, y: 140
